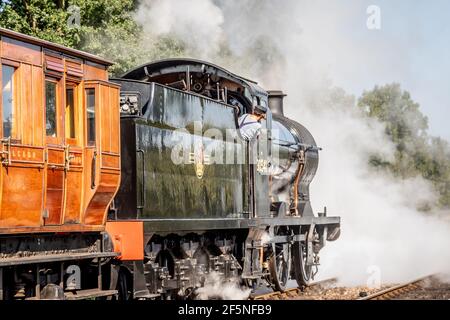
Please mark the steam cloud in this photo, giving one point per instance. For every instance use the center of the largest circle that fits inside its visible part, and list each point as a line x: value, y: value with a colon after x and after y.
x: 299, y: 47
x: 216, y: 288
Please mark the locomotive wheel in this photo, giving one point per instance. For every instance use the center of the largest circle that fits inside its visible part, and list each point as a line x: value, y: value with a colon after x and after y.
x: 280, y: 265
x: 302, y: 272
x: 123, y: 283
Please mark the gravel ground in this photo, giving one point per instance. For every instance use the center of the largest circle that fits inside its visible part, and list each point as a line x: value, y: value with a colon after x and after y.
x: 433, y: 289
x: 337, y: 293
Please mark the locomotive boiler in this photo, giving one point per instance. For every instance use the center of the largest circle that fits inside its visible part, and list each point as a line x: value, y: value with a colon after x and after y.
x: 142, y: 187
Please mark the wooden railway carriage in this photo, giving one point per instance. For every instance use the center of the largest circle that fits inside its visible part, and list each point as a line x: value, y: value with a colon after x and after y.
x: 60, y: 165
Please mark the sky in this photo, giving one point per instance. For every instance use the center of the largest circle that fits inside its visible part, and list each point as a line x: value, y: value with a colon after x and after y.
x: 411, y: 47
x: 331, y: 38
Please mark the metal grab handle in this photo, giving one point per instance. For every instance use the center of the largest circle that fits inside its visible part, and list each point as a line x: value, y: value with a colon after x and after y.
x: 93, y: 169
x: 142, y: 204
x: 67, y: 158
x: 6, y: 160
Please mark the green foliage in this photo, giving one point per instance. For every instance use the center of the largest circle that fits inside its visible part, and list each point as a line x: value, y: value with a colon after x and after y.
x: 107, y: 29
x: 416, y: 152
x: 45, y: 19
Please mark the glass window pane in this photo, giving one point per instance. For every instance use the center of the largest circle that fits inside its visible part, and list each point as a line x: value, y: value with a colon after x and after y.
x: 70, y: 113
x: 7, y: 95
x: 90, y: 107
x: 50, y: 108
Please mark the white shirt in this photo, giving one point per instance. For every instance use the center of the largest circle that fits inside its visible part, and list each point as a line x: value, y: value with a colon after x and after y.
x: 248, y: 127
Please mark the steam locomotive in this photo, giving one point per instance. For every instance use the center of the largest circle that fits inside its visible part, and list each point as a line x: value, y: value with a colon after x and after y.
x: 141, y: 187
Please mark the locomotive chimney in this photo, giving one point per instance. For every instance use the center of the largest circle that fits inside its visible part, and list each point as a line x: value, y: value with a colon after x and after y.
x: 276, y: 101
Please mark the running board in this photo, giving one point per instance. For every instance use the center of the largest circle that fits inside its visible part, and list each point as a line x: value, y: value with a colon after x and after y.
x: 5, y: 262
x: 83, y: 294
x: 89, y: 294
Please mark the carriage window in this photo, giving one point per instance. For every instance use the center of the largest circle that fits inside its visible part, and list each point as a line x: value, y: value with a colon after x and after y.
x: 50, y: 108
x: 70, y: 112
x: 7, y: 95
x: 90, y: 108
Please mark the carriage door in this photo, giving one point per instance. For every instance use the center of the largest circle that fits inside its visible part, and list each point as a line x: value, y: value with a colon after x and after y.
x: 56, y: 151
x: 92, y: 163
x: 102, y: 165
x: 73, y: 157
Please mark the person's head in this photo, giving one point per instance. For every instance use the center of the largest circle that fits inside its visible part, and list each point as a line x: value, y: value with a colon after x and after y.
x: 258, y: 112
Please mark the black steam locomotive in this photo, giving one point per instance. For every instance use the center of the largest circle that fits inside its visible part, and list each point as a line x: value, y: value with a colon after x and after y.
x: 198, y: 199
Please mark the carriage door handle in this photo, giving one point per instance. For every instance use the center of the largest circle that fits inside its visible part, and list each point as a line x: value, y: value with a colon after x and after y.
x: 6, y: 154
x: 67, y: 158
x: 93, y: 169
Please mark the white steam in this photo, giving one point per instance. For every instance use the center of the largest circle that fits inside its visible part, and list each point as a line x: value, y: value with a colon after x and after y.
x: 198, y: 22
x: 302, y: 48
x: 216, y: 288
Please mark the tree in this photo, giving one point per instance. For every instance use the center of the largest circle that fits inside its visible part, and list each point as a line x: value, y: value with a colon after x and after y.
x: 416, y: 152
x: 45, y: 19
x: 106, y: 28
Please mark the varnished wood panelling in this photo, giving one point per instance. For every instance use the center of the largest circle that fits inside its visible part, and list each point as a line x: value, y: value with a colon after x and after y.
x: 21, y: 197
x: 109, y: 177
x: 26, y: 103
x: 76, y: 159
x: 73, y: 196
x: 74, y: 188
x: 21, y: 51
x: 97, y: 208
x: 88, y: 191
x: 47, y: 186
x: 74, y: 68
x: 105, y: 119
x: 55, y: 195
x: 115, y: 120
x: 55, y: 185
x: 27, y: 154
x: 38, y: 106
x: 55, y: 157
x: 110, y: 161
x: 95, y: 72
x: 54, y: 64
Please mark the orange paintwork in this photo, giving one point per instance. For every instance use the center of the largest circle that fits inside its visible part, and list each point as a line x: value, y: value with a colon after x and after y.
x: 128, y: 238
x: 56, y: 182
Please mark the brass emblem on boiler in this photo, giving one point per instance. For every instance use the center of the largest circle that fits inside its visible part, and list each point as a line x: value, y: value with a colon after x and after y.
x: 262, y: 166
x: 200, y: 160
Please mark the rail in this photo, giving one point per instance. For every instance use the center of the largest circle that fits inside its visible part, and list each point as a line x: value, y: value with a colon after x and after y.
x: 291, y: 292
x: 397, y: 290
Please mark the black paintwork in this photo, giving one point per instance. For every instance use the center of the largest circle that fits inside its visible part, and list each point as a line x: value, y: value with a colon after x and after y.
x: 155, y: 187
x: 173, y: 197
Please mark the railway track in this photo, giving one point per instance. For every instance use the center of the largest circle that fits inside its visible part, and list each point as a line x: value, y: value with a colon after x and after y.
x: 291, y: 293
x: 325, y: 290
x: 395, y: 291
